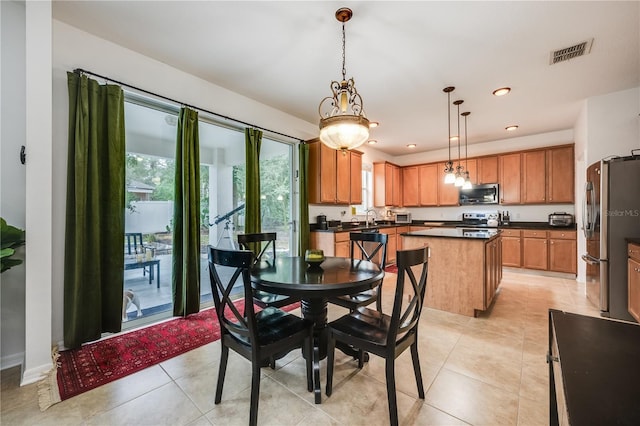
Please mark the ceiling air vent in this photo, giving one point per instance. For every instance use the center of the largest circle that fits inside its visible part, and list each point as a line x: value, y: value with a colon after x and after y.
x: 582, y: 48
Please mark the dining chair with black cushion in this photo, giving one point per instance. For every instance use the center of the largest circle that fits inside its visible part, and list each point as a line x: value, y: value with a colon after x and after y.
x: 387, y: 336
x: 365, y: 245
x: 266, y: 256
x: 257, y: 336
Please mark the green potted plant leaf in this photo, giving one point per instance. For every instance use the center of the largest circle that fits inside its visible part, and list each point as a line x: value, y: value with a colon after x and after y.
x: 12, y: 238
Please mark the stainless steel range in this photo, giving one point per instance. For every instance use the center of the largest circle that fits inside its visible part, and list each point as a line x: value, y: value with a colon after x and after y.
x: 481, y: 219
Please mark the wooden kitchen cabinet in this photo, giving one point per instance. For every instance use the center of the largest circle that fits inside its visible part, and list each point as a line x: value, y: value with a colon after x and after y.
x: 334, y: 175
x: 471, y: 166
x: 448, y: 194
x: 355, y: 177
x: 509, y: 167
x: 331, y: 243
x: 633, y: 278
x: 392, y: 244
x: 535, y: 253
x: 411, y: 190
x: 511, y: 248
x: 534, y: 177
x: 399, y: 231
x: 487, y: 169
x: 428, y: 177
x: 386, y: 185
x: 563, y: 251
x: 560, y: 171
x: 493, y: 270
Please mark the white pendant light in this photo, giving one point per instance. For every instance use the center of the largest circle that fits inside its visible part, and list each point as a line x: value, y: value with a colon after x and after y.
x: 467, y: 181
x: 449, y: 176
x: 343, y: 124
x: 459, y: 180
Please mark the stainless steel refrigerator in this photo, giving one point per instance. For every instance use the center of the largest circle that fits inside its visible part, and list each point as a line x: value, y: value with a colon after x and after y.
x: 611, y: 213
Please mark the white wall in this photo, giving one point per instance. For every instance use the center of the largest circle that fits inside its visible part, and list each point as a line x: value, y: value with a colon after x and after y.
x: 13, y: 174
x: 608, y: 125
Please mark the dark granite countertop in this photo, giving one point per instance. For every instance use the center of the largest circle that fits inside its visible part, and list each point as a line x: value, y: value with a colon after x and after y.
x: 347, y: 226
x: 467, y: 233
x: 633, y: 240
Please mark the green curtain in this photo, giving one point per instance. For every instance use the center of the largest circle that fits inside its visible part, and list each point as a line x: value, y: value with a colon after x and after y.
x: 303, y: 151
x: 186, y: 217
x: 94, y: 233
x: 252, y: 222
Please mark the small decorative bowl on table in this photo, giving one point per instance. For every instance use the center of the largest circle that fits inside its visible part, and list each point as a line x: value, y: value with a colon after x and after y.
x: 314, y: 258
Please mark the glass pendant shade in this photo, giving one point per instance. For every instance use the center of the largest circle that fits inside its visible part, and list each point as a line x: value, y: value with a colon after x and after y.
x: 450, y: 177
x: 344, y: 131
x: 467, y: 182
x: 459, y: 180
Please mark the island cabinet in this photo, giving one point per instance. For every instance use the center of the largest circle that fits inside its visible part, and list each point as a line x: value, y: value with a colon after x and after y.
x: 535, y: 254
x: 387, y: 185
x: 464, y: 273
x: 563, y: 251
x: 335, y: 177
x: 633, y: 278
x: 511, y: 248
x: 331, y: 243
x: 487, y: 169
x: 509, y: 168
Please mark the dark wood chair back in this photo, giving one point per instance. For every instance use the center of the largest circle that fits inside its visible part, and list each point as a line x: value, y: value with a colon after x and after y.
x: 254, y: 242
x: 368, y: 245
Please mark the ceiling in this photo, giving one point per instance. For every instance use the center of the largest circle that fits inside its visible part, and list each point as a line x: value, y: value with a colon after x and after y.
x: 401, y: 55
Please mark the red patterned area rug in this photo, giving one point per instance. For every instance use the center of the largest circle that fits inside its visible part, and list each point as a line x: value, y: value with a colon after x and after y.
x: 391, y: 269
x: 96, y: 364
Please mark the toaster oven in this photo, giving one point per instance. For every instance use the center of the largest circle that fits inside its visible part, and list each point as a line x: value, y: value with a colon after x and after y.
x: 403, y: 217
x: 560, y: 219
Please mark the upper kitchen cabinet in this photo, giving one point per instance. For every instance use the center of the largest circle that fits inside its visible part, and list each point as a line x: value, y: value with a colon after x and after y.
x: 471, y: 166
x: 561, y: 170
x: 420, y: 185
x: 335, y: 177
x: 448, y: 194
x: 534, y: 177
x: 548, y: 176
x: 411, y: 190
x: 428, y: 178
x: 487, y: 169
x: 509, y: 167
x: 387, y: 185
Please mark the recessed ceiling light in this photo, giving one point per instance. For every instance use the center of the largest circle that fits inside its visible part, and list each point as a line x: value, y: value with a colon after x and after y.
x: 373, y: 124
x: 411, y: 145
x: 501, y: 91
x: 511, y: 128
x: 372, y: 142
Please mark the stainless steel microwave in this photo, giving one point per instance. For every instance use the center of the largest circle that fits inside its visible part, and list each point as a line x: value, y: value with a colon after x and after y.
x: 403, y: 217
x: 480, y: 194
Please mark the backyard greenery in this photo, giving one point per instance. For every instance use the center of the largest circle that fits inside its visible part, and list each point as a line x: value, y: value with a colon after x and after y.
x: 12, y: 238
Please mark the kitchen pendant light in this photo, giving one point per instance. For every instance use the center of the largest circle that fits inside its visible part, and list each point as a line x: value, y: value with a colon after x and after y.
x: 343, y: 124
x: 449, y: 176
x: 467, y: 181
x: 459, y: 180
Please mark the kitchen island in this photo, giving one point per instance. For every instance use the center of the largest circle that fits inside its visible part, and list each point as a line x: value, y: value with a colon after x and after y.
x: 465, y: 267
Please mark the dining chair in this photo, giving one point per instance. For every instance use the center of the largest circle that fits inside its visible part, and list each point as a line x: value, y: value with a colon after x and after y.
x: 257, y: 336
x: 261, y: 298
x: 387, y: 336
x: 367, y: 246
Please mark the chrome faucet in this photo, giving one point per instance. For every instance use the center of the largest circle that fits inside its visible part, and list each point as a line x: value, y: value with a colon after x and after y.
x: 371, y: 210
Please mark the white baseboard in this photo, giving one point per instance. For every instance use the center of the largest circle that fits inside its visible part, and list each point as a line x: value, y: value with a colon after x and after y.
x: 12, y: 360
x: 35, y: 374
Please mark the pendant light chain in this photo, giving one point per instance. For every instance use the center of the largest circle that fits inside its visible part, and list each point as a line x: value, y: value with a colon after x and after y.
x: 344, y: 56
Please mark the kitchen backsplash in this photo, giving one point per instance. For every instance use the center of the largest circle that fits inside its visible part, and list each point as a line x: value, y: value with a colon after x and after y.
x: 519, y: 213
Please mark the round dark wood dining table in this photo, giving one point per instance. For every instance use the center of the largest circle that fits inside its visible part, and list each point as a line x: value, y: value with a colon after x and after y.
x: 335, y: 276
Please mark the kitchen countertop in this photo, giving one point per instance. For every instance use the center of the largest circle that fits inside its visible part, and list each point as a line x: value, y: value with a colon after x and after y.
x: 633, y: 240
x: 466, y: 233
x: 347, y: 227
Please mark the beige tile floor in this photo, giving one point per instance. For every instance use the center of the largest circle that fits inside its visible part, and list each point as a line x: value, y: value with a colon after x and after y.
x: 488, y: 370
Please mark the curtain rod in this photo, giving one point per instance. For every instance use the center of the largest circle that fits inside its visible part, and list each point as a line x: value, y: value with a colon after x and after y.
x: 82, y: 71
